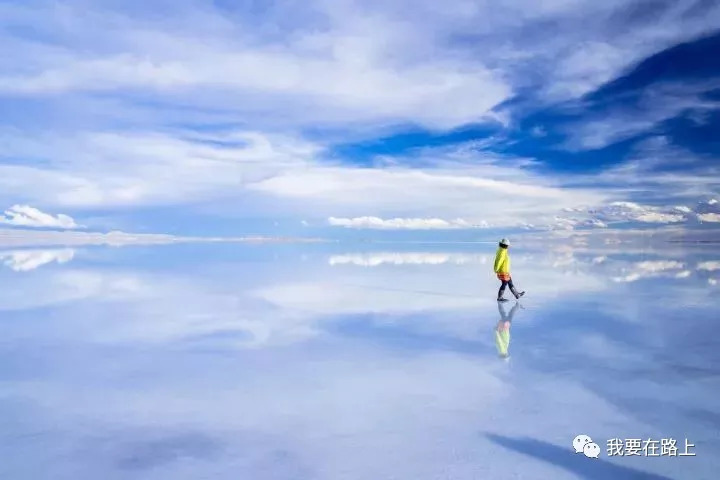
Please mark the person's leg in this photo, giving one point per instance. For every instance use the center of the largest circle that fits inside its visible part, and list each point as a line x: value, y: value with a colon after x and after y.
x: 501, y: 292
x: 512, y: 289
x: 512, y: 312
x: 503, y: 312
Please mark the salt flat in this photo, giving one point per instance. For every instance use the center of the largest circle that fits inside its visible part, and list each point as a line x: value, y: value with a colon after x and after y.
x: 354, y: 362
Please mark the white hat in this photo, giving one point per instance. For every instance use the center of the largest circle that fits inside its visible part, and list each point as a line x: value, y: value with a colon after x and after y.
x: 505, y: 241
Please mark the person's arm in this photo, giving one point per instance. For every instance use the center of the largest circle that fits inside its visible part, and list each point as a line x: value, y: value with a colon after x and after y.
x: 499, y: 260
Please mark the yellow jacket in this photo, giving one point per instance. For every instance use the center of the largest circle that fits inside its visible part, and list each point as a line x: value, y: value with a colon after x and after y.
x: 502, y: 261
x: 502, y: 341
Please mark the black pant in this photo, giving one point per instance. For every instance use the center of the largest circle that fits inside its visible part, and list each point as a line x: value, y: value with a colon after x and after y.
x: 506, y: 283
x: 504, y: 316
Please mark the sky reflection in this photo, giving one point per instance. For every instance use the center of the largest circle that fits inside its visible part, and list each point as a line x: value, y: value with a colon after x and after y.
x: 298, y: 362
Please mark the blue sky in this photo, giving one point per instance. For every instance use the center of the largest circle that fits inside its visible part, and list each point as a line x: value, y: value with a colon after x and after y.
x: 225, y: 118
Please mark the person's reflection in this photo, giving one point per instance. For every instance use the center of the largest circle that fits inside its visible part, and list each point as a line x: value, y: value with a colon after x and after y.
x: 502, y: 329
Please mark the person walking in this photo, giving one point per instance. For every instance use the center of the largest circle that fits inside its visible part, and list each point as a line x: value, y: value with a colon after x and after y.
x: 502, y: 270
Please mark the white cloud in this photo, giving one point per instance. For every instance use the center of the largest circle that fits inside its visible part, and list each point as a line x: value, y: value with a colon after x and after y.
x: 587, y: 66
x: 406, y: 258
x: 651, y: 268
x: 445, y: 183
x: 402, y: 223
x: 334, y: 70
x: 629, y: 211
x: 26, y: 216
x: 26, y: 260
x: 710, y: 265
x: 351, y: 68
x: 345, y: 61
x: 283, y: 172
x: 17, y: 237
x: 618, y: 212
x: 569, y: 223
x: 67, y: 285
x: 656, y: 217
x: 635, y: 240
x: 709, y: 217
x: 158, y: 168
x: 708, y: 211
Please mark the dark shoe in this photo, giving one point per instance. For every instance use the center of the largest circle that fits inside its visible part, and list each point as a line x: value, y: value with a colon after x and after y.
x: 519, y: 295
x: 502, y: 299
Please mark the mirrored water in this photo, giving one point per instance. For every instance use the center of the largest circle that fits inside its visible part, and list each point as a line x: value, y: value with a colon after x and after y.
x: 355, y: 362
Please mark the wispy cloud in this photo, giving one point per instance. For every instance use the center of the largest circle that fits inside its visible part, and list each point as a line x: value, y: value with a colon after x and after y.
x: 355, y: 60
x: 158, y: 168
x: 285, y: 171
x: 459, y: 183
x: 326, y: 60
x: 655, y: 105
x: 133, y: 107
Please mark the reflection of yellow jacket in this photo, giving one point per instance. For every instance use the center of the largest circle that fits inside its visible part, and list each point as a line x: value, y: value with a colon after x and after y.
x: 502, y: 341
x: 502, y: 261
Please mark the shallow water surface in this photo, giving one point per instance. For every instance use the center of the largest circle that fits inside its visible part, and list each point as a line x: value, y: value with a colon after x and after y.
x: 337, y: 362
